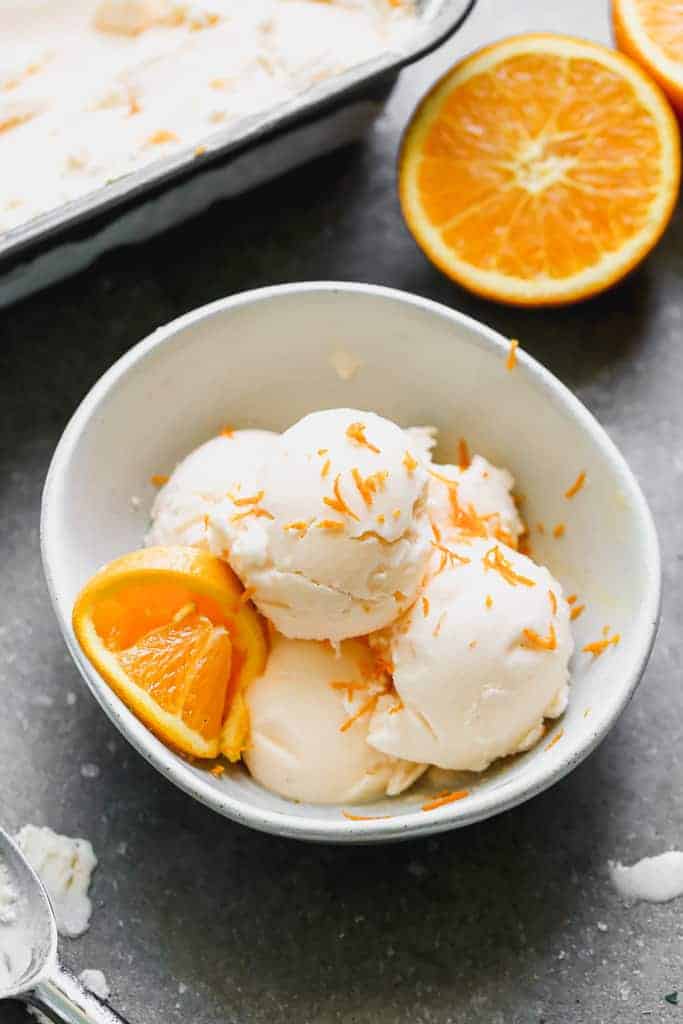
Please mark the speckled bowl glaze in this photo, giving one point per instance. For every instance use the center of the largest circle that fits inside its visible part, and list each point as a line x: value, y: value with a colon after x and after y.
x: 264, y: 359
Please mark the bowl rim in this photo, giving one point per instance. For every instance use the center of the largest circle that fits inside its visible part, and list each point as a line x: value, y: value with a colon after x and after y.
x: 408, y: 824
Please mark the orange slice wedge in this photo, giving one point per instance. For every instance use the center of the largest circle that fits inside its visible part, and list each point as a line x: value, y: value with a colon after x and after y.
x: 169, y: 630
x: 651, y: 31
x: 540, y: 170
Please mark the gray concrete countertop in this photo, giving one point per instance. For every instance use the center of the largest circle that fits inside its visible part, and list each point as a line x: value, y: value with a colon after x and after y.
x: 197, y: 919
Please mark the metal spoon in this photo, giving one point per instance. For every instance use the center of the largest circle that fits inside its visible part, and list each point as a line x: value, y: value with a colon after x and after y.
x: 29, y: 967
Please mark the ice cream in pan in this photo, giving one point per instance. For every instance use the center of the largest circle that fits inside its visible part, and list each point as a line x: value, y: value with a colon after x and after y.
x: 335, y: 609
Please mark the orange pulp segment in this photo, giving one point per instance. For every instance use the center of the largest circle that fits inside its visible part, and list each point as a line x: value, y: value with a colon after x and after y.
x: 651, y: 31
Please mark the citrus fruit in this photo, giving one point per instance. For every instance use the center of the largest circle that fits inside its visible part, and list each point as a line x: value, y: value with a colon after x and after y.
x: 169, y: 630
x: 540, y: 170
x: 651, y: 31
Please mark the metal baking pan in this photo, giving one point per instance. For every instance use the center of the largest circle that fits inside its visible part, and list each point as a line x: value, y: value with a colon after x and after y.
x: 233, y: 160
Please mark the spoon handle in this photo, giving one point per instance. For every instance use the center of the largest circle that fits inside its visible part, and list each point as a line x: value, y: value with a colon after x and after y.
x: 64, y: 1000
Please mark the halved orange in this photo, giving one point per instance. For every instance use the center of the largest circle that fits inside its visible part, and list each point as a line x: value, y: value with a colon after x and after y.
x: 651, y: 31
x: 169, y: 630
x: 540, y: 170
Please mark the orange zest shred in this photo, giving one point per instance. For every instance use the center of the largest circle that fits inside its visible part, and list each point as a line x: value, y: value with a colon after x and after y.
x: 577, y: 485
x: 348, y: 686
x: 258, y: 513
x: 326, y: 468
x: 572, y: 598
x: 556, y: 739
x: 252, y: 499
x: 297, y: 524
x: 441, y: 799
x: 395, y: 708
x: 496, y: 560
x: 464, y: 457
x: 559, y: 530
x: 160, y: 137
x: 323, y: 451
x: 218, y: 770
x: 576, y: 611
x: 366, y: 817
x: 425, y: 606
x: 399, y: 596
x: 553, y: 601
x: 489, y: 601
x: 437, y: 627
x: 600, y: 646
x: 396, y: 514
x: 449, y: 555
x: 511, y: 360
x: 467, y: 520
x: 410, y: 463
x: 356, y: 432
x: 227, y: 431
x: 331, y: 524
x: 380, y: 519
x: 534, y: 642
x: 337, y: 503
x: 368, y: 487
x: 364, y: 709
x: 437, y: 532
x: 159, y: 479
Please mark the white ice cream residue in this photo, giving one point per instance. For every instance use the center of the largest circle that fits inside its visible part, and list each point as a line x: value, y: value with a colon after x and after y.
x: 95, y: 982
x: 654, y: 879
x: 8, y: 897
x: 91, y: 90
x: 65, y: 867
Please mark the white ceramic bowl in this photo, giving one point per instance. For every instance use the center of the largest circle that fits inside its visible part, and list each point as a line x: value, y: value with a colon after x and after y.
x: 263, y: 359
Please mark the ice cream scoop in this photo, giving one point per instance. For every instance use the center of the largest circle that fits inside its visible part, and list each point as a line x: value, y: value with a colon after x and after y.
x: 230, y: 462
x: 336, y: 536
x: 309, y: 721
x: 482, y: 492
x: 479, y: 661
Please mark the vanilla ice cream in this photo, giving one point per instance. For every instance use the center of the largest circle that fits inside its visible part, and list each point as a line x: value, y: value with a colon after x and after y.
x: 64, y: 866
x: 479, y: 661
x: 483, y: 489
x: 231, y: 462
x: 337, y: 537
x: 306, y: 741
x: 91, y: 90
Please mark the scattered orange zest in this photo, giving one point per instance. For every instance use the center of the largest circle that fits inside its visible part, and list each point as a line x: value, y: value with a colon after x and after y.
x: 348, y: 686
x: 337, y: 503
x: 298, y: 524
x: 600, y: 646
x: 252, y: 499
x: 464, y: 458
x: 227, y: 431
x: 159, y: 479
x: 445, y: 798
x: 576, y: 611
x: 410, y: 463
x: 395, y: 708
x: 218, y: 770
x: 331, y: 524
x: 368, y: 487
x: 556, y: 739
x: 559, y: 530
x: 489, y: 601
x: 160, y: 137
x: 572, y: 598
x: 399, y: 596
x: 364, y: 709
x: 576, y: 486
x: 496, y: 560
x: 437, y: 532
x: 425, y: 606
x: 323, y: 451
x: 325, y: 469
x: 380, y: 519
x: 437, y: 627
x: 396, y: 514
x: 553, y: 601
x: 258, y: 513
x: 511, y: 361
x: 356, y: 432
x: 534, y: 642
x: 450, y: 555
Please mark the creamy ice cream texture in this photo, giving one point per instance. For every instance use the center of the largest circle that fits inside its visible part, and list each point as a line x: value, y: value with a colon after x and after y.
x: 64, y: 866
x: 232, y: 461
x: 308, y: 729
x: 91, y: 90
x: 482, y: 488
x: 337, y: 537
x: 479, y: 661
